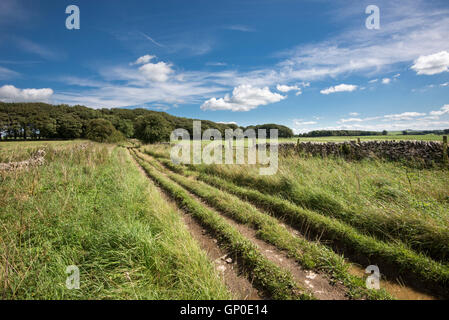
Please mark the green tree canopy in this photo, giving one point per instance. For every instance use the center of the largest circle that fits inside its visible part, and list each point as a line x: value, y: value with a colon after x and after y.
x: 102, y: 130
x: 152, y: 128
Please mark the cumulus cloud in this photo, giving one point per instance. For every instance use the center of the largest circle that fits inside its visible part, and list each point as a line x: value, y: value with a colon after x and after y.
x: 340, y: 88
x: 444, y: 84
x: 9, y: 93
x: 156, y: 71
x: 386, y: 80
x: 144, y: 59
x: 244, y: 98
x: 432, y: 64
x: 286, y: 88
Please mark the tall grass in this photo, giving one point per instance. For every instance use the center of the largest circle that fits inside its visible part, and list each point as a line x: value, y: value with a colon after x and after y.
x: 379, y: 198
x: 311, y: 255
x: 392, y: 252
x: 328, y: 228
x: 92, y: 208
x: 276, y: 282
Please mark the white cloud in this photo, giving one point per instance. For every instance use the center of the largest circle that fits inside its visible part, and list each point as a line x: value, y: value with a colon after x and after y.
x: 7, y: 73
x: 373, y: 81
x: 238, y: 27
x: 144, y: 59
x: 230, y: 122
x: 432, y: 64
x: 301, y: 122
x: 443, y: 110
x: 340, y: 88
x: 9, y: 93
x: 354, y: 114
x: 444, y: 84
x: 244, y: 98
x: 397, y: 75
x: 286, y: 88
x: 156, y: 71
x: 216, y: 64
x: 351, y: 120
x: 404, y: 116
x: 407, y: 32
x: 386, y: 80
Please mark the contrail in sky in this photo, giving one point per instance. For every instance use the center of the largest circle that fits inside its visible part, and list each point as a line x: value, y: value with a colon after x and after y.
x: 152, y: 40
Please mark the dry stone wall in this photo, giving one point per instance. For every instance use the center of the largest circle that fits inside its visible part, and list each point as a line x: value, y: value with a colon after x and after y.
x: 36, y: 160
x: 426, y: 152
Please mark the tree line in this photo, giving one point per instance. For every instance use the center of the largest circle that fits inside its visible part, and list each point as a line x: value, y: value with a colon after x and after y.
x: 335, y: 133
x: 344, y: 133
x: 46, y: 121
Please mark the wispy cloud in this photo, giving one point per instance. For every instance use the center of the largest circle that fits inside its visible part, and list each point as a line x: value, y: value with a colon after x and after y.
x: 35, y: 48
x: 6, y: 73
x: 11, y: 11
x: 405, y: 35
x: 216, y: 64
x: 436, y: 119
x: 239, y: 27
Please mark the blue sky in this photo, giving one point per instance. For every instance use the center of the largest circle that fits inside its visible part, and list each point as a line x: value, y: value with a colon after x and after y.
x: 305, y: 64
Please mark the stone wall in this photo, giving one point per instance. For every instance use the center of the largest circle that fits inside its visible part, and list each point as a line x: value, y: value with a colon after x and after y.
x: 36, y: 160
x: 426, y: 152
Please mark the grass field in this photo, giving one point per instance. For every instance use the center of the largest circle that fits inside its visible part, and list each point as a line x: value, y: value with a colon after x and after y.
x: 92, y: 208
x: 119, y: 213
x: 369, y: 210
